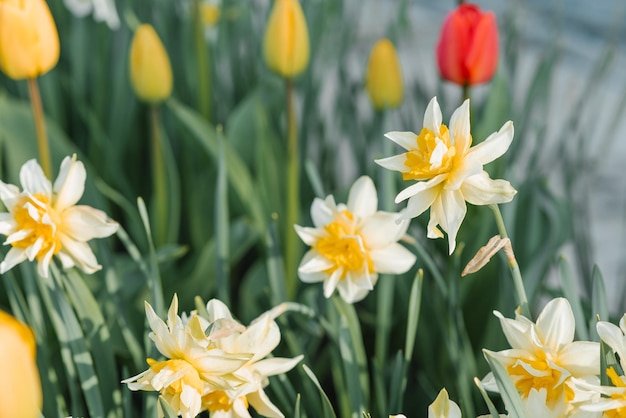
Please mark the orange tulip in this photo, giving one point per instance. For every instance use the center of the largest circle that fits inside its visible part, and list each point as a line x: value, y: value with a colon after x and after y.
x: 467, y: 52
x: 20, y: 387
x: 29, y: 42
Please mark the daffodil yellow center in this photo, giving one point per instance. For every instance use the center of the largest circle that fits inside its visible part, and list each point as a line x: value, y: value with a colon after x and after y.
x: 218, y: 400
x: 344, y: 246
x: 538, y: 374
x: 434, y: 155
x: 617, y: 382
x: 189, y: 375
x: 38, y: 219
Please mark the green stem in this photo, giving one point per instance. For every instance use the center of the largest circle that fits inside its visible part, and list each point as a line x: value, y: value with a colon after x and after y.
x: 40, y: 127
x: 466, y: 87
x: 515, y: 271
x: 202, y: 56
x: 160, y: 203
x: 293, y: 195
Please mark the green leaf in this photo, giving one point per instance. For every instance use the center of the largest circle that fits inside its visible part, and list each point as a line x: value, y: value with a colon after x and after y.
x: 508, y: 391
x: 570, y: 292
x: 326, y: 404
x: 492, y: 408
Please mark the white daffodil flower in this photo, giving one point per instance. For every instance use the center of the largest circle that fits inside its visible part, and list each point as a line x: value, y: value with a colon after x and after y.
x: 351, y: 244
x: 259, y: 339
x: 194, y: 368
x: 44, y: 220
x: 443, y: 407
x: 103, y: 10
x: 544, y: 362
x: 448, y: 172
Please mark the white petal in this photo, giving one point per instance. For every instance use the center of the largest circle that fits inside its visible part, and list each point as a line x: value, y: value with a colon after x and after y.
x: 79, y: 8
x: 465, y: 169
x: 83, y: 223
x: 308, y: 235
x: 555, y: 323
x: 262, y: 404
x: 7, y: 224
x: 382, y: 228
x: 314, y: 262
x: 614, y: 337
x: 494, y: 146
x: 260, y: 338
x: 581, y: 358
x: 407, y: 140
x: 323, y: 211
x: 312, y: 277
x: 362, y: 199
x: 217, y: 310
x: 454, y: 209
x: 82, y: 255
x: 393, y: 259
x: 9, y: 194
x: 33, y: 179
x: 482, y: 190
x: 516, y: 333
x: 432, y: 116
x: 70, y: 183
x: 13, y: 257
x: 331, y: 283
x: 394, y: 163
x: 105, y: 11
x: 420, y: 202
x: 460, y: 128
x: 419, y: 187
x: 276, y: 365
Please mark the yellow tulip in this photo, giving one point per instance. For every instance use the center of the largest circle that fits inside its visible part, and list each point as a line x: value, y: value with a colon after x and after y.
x: 384, y: 77
x: 20, y: 388
x: 150, y: 68
x: 286, y: 42
x: 29, y: 42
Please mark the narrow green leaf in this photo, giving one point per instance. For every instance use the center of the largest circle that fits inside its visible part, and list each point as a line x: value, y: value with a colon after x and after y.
x: 221, y: 225
x: 569, y: 290
x: 413, y: 313
x: 508, y: 391
x: 154, y: 276
x: 327, y: 406
x: 599, y: 304
x: 492, y: 408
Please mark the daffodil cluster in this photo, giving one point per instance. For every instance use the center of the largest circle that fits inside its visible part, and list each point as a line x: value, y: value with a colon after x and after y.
x: 213, y: 363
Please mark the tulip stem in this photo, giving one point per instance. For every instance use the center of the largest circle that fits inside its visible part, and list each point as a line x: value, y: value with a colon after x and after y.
x: 160, y: 203
x: 515, y: 270
x: 40, y: 127
x: 202, y: 56
x: 293, y: 194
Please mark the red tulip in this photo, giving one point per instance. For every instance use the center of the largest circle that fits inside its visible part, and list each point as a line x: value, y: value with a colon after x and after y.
x: 467, y: 52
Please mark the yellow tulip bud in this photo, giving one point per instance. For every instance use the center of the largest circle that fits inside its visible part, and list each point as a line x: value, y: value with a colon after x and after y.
x: 384, y: 77
x: 150, y: 69
x: 20, y: 388
x: 286, y: 43
x: 29, y: 42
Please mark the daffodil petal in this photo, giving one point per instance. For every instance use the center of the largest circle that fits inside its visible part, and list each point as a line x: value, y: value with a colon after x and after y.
x: 479, y: 189
x: 83, y: 223
x: 460, y: 128
x: 555, y: 323
x: 394, y: 163
x: 331, y: 283
x: 419, y: 187
x: 494, y: 146
x: 323, y: 211
x: 13, y: 257
x: 9, y: 194
x: 307, y: 234
x: 217, y: 309
x: 581, y: 358
x: 392, y: 259
x: 407, y: 140
x: 454, y: 209
x: 262, y: 404
x: 382, y: 229
x: 70, y: 183
x: 33, y: 179
x: 276, y: 365
x: 313, y: 262
x: 81, y: 254
x: 432, y: 116
x: 362, y: 199
x: 516, y: 332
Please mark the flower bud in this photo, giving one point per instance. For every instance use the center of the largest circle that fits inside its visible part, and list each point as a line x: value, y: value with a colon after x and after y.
x: 29, y: 42
x: 467, y: 52
x: 384, y: 77
x: 20, y: 388
x: 286, y: 42
x: 150, y: 69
